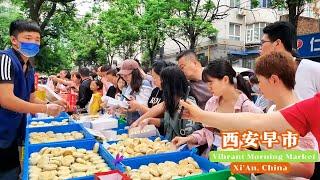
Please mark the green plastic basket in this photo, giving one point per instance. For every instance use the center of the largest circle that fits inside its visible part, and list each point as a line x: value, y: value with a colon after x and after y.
x: 219, y: 175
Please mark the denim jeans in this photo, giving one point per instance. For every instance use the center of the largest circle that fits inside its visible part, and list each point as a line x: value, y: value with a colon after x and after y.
x: 12, y: 174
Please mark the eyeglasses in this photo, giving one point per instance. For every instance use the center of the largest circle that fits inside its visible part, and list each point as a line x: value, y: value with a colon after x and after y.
x: 263, y: 41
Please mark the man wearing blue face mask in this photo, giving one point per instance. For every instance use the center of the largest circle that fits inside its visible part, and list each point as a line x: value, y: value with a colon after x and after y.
x: 17, y: 93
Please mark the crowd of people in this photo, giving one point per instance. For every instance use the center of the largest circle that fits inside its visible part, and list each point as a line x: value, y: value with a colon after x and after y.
x: 188, y: 103
x: 217, y: 88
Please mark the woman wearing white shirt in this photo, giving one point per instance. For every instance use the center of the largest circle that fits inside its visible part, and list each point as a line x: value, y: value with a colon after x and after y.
x: 136, y: 89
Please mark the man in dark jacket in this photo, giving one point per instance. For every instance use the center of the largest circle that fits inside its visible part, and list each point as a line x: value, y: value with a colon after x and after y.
x: 84, y: 90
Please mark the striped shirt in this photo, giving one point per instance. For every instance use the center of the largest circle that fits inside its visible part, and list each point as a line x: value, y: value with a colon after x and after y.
x: 6, y: 69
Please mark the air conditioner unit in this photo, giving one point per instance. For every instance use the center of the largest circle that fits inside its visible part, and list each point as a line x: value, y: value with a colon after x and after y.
x: 241, y: 12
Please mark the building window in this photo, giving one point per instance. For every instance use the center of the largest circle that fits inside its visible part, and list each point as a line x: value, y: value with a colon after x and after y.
x: 249, y: 32
x: 235, y: 3
x: 255, y: 32
x: 234, y: 31
x: 265, y: 3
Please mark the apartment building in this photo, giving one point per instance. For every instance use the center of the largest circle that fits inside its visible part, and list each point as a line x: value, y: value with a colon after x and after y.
x: 238, y: 39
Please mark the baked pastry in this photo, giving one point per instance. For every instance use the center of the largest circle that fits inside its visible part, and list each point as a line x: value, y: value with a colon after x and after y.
x: 64, y: 163
x: 166, y: 170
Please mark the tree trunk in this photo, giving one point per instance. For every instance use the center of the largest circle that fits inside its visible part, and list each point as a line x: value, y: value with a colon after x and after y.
x: 192, y: 40
x: 152, y: 56
x: 293, y: 19
x: 153, y: 50
x: 34, y: 10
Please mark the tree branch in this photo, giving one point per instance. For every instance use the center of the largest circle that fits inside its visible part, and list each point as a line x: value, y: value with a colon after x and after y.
x: 175, y: 40
x: 300, y: 9
x: 205, y: 17
x: 217, y: 9
x: 49, y: 15
x: 196, y: 10
x: 37, y: 5
x: 180, y: 50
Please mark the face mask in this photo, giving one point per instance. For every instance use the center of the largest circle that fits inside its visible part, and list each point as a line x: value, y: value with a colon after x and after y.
x: 29, y: 49
x: 255, y: 88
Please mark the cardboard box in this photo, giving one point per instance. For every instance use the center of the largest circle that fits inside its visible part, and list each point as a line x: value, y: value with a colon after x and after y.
x: 114, y: 102
x: 102, y: 124
x: 111, y: 175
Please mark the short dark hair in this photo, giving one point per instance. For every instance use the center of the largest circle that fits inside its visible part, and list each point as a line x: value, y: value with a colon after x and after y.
x: 146, y: 69
x: 158, y: 66
x: 282, y: 30
x: 93, y: 75
x: 84, y: 72
x: 19, y: 26
x: 112, y: 71
x: 189, y: 53
x: 105, y: 68
x: 254, y: 80
x: 99, y: 84
x: 277, y: 63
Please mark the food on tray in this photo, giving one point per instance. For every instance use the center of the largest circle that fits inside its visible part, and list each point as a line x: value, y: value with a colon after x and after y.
x: 167, y: 170
x: 232, y: 178
x: 52, y: 123
x: 133, y: 147
x: 121, y: 137
x: 45, y: 137
x: 64, y: 163
x: 147, y: 131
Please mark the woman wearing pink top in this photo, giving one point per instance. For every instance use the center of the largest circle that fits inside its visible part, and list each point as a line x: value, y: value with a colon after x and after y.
x: 231, y: 95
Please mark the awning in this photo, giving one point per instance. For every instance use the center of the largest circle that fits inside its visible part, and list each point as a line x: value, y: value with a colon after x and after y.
x: 237, y: 53
x: 252, y: 52
x: 243, y: 53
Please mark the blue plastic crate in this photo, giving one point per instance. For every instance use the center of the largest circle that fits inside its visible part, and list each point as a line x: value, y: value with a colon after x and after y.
x: 81, y: 144
x: 204, y: 163
x: 58, y: 129
x: 119, y: 132
x: 50, y: 120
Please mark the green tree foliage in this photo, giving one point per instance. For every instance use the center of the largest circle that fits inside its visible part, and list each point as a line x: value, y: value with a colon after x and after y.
x: 153, y: 27
x: 193, y: 19
x: 295, y: 8
x: 119, y: 27
x: 126, y: 29
x: 56, y: 52
x: 8, y: 13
